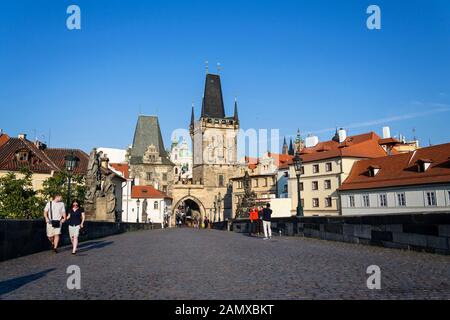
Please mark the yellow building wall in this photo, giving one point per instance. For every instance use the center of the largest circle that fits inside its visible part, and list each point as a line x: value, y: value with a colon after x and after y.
x: 37, y: 179
x: 340, y: 169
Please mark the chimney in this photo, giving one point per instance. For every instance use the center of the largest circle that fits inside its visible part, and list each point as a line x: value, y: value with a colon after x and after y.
x: 386, y: 132
x: 311, y: 141
x: 22, y: 136
x: 342, y: 135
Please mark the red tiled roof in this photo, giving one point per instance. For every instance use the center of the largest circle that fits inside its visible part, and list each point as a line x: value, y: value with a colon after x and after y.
x: 57, y: 156
x: 3, y: 139
x: 401, y: 169
x: 360, y: 146
x: 147, y: 192
x: 122, y: 168
x: 40, y: 160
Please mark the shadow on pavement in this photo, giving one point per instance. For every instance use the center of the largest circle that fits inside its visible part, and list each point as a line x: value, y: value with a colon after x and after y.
x: 83, y: 247
x: 15, y: 283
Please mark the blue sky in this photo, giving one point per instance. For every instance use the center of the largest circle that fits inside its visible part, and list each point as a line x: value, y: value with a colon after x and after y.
x: 310, y: 64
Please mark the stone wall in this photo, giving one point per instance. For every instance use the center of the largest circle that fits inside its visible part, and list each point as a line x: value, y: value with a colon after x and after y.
x: 22, y: 237
x: 420, y: 232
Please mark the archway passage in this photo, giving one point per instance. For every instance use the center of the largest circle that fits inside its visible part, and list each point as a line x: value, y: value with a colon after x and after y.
x: 188, y: 211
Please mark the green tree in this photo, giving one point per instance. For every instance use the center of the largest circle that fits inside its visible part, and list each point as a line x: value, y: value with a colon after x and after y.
x: 18, y: 200
x: 58, y: 184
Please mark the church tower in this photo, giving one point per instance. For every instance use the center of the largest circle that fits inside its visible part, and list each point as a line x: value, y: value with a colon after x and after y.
x: 214, y: 138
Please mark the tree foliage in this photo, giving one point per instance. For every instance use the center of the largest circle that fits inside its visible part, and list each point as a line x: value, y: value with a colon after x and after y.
x: 58, y: 184
x: 18, y: 200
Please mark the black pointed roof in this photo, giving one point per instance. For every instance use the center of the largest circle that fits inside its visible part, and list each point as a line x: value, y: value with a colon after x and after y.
x: 291, y: 148
x: 192, y: 116
x: 212, y: 106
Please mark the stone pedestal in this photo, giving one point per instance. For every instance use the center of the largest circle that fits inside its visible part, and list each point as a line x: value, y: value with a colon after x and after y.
x: 99, y: 211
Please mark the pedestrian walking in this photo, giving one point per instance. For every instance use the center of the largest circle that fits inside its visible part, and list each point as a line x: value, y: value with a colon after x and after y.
x: 55, y: 215
x: 267, y: 216
x: 206, y: 223
x: 76, y: 219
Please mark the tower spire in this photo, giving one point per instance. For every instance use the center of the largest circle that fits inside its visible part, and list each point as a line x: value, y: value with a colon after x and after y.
x: 235, y: 117
x: 291, y: 148
x: 192, y: 116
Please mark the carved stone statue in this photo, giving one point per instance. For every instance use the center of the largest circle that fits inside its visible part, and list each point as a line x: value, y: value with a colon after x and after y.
x: 247, y: 200
x: 100, y: 200
x: 93, y: 177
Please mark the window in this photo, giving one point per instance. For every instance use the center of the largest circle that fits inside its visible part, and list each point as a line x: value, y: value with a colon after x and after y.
x: 328, y: 202
x: 383, y: 200
x: 286, y: 174
x: 165, y: 189
x: 301, y: 186
x: 401, y: 199
x: 315, y: 202
x: 327, y: 184
x: 302, y: 170
x: 164, y: 176
x: 316, y: 168
x: 431, y: 198
x: 255, y: 182
x: 22, y: 156
x: 265, y: 182
x: 351, y: 201
x: 239, y: 184
x: 176, y: 170
x: 366, y: 200
x: 221, y: 182
x: 149, y: 176
x: 328, y: 167
x: 285, y: 188
x: 155, y: 205
x: 315, y: 185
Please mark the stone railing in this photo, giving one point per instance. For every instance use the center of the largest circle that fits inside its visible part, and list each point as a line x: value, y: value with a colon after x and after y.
x: 22, y: 237
x: 429, y: 232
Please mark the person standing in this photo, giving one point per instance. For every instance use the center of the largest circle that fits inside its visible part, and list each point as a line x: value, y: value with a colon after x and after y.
x: 55, y: 215
x: 76, y: 219
x: 267, y: 216
x: 253, y: 221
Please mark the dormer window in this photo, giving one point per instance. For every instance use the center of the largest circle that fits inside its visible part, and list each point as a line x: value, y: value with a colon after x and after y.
x: 373, y: 171
x: 423, y: 164
x: 23, y: 155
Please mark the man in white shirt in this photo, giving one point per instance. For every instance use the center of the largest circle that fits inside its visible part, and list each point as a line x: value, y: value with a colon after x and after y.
x: 55, y: 215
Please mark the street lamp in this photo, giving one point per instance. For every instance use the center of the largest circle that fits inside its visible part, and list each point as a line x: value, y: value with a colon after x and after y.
x: 298, y: 170
x: 71, y: 162
x: 138, y: 202
x: 219, y: 204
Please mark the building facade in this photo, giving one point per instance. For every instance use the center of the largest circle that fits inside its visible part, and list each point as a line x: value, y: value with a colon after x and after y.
x: 325, y: 166
x: 148, y: 160
x: 413, y: 182
x: 181, y: 156
x: 44, y: 162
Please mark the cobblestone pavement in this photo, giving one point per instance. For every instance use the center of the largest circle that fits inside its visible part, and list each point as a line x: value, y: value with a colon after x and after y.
x: 210, y: 264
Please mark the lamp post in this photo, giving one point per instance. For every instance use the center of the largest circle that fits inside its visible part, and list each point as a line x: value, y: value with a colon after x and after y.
x: 71, y: 162
x: 298, y: 172
x: 138, y: 203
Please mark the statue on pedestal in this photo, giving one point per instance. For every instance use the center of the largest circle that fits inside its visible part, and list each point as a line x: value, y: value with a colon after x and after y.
x: 247, y: 200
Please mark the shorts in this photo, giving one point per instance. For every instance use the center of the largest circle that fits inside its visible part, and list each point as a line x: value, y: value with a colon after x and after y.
x: 74, y: 231
x: 51, y: 232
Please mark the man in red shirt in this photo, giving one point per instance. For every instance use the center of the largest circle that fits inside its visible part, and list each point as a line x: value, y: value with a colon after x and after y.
x: 253, y: 221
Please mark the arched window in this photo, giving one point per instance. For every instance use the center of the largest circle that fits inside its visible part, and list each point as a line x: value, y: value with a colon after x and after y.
x: 155, y: 205
x: 176, y: 170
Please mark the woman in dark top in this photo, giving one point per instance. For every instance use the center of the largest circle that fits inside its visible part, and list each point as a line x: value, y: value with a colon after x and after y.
x: 76, y: 220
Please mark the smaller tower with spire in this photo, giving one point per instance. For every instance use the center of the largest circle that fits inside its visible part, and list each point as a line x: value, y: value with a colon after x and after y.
x: 285, y: 149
